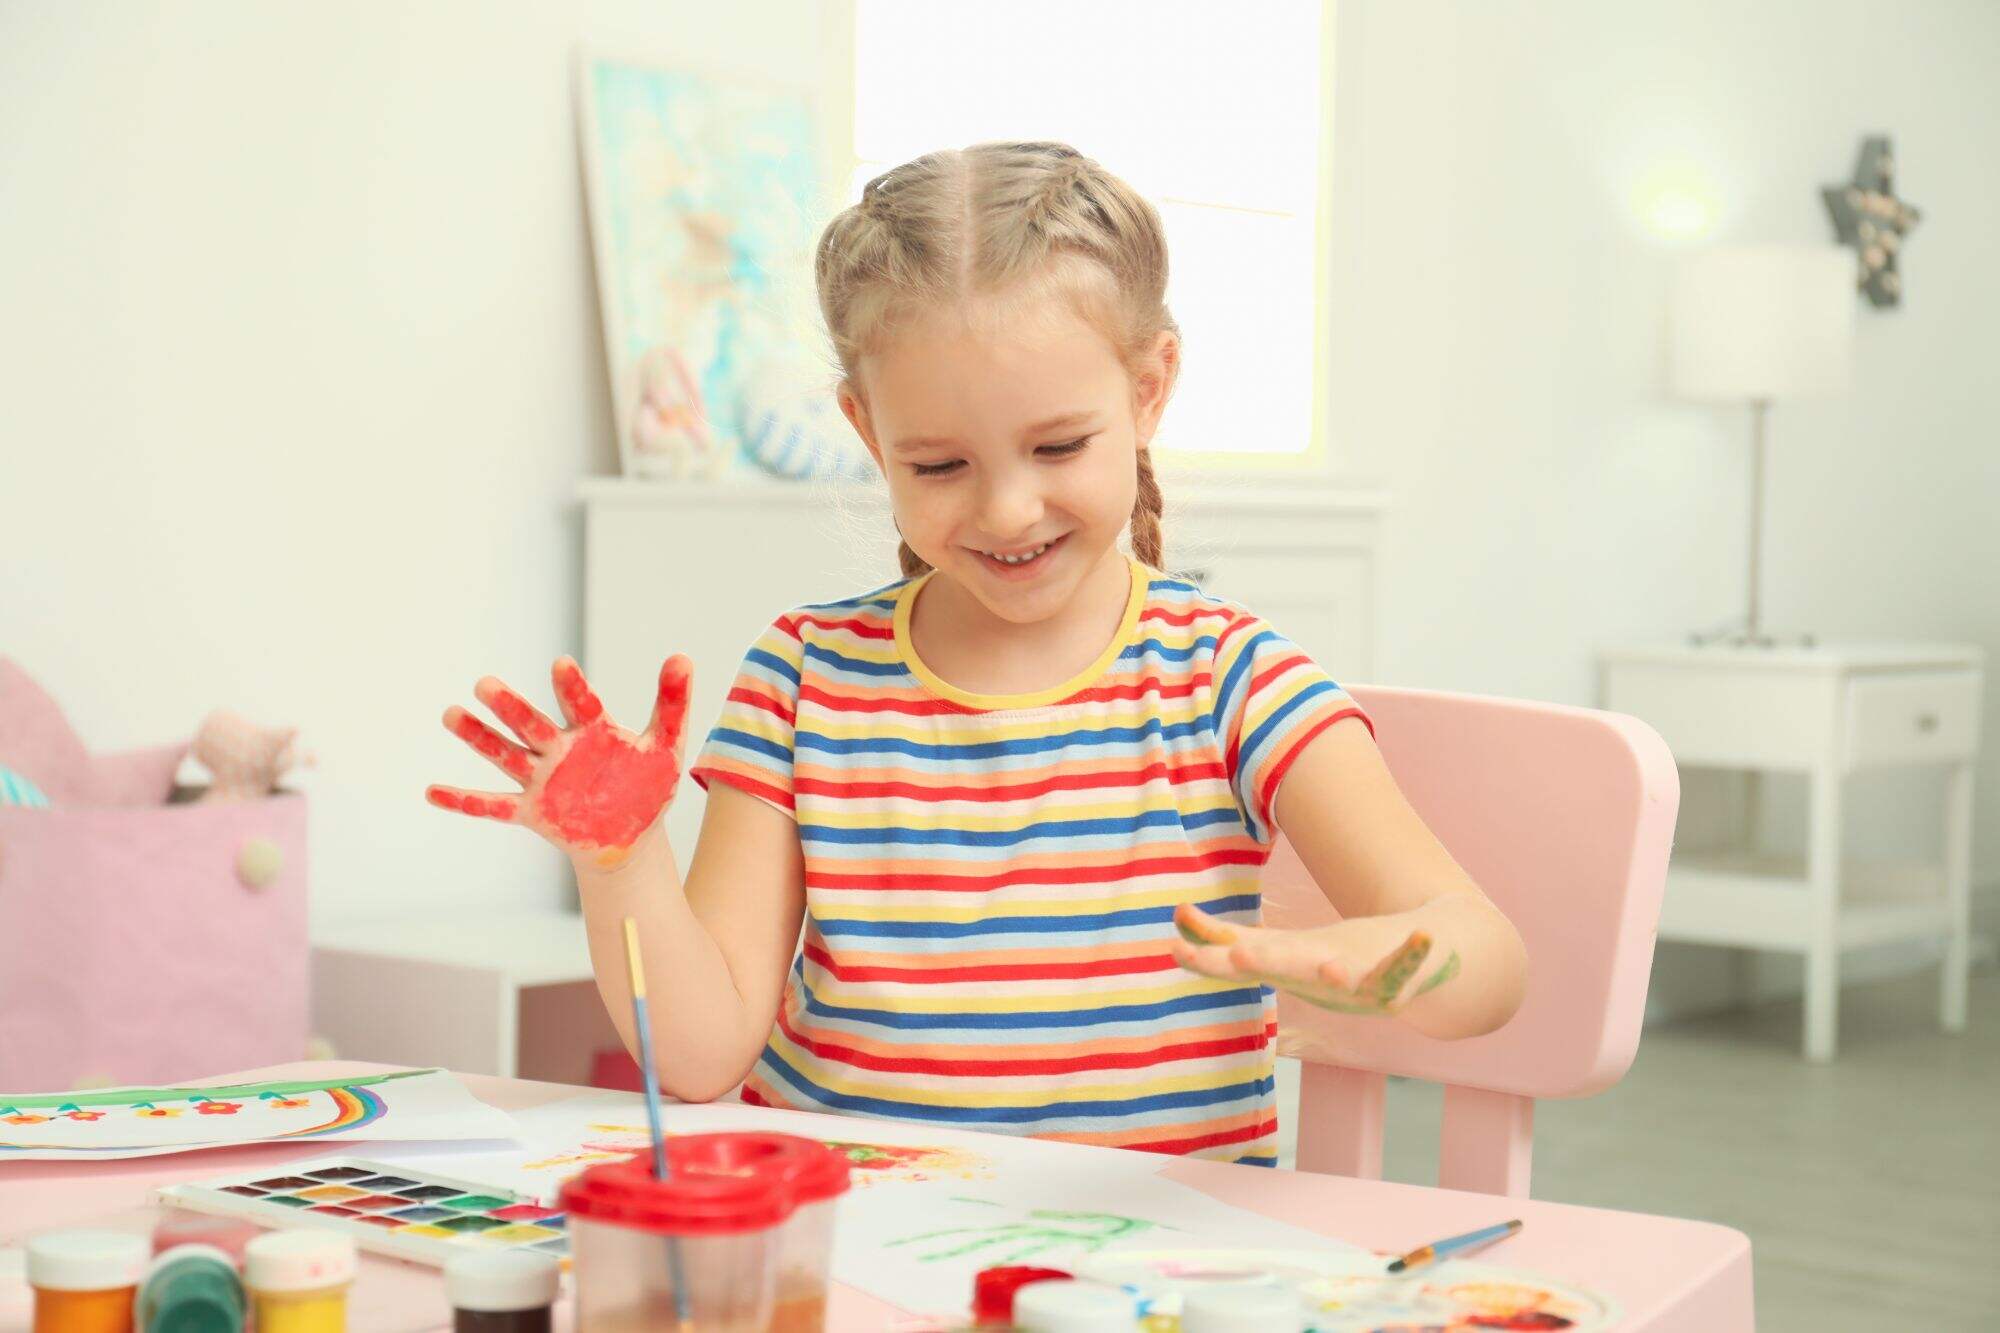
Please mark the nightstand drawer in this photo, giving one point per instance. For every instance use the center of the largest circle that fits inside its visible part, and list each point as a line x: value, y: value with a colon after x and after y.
x: 1914, y: 718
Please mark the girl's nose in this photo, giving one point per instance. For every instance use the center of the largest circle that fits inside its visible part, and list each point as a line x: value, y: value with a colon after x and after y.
x: 1010, y: 507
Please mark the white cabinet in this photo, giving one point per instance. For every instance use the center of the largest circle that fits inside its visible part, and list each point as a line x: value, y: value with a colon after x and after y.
x: 1824, y: 712
x: 703, y: 569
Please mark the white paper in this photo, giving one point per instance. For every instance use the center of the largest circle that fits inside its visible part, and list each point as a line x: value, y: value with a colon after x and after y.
x: 427, y: 1104
x: 929, y: 1206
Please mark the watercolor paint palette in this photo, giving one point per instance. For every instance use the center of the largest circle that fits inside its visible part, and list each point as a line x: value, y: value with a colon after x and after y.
x: 405, y: 1212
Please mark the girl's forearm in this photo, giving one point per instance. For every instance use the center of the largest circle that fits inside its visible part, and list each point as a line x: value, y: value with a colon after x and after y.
x: 1489, y: 977
x: 703, y: 1038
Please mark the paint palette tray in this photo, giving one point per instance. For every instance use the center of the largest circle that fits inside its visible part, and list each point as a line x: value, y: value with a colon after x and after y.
x: 401, y: 1211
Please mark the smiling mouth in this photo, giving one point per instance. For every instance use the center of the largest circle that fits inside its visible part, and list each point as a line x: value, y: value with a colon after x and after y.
x: 1024, y: 557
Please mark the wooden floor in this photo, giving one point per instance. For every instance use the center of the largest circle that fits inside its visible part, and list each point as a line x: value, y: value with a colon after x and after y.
x: 1869, y: 1187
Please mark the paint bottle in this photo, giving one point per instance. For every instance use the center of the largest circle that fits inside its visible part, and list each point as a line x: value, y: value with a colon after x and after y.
x: 505, y: 1292
x: 1242, y: 1309
x: 298, y: 1281
x: 1074, y: 1307
x: 191, y: 1289
x: 994, y: 1289
x: 178, y: 1226
x: 85, y: 1281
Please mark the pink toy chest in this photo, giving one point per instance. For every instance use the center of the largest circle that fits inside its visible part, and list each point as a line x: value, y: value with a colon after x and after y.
x: 133, y: 950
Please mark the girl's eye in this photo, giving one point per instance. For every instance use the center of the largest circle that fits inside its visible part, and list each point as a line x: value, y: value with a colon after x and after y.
x: 1069, y: 450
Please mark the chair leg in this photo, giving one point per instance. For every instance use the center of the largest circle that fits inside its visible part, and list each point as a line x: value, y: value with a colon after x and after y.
x: 1340, y: 1121
x: 1488, y: 1142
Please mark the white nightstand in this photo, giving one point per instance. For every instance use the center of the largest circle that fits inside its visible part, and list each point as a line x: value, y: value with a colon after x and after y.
x: 1825, y: 712
x: 510, y: 993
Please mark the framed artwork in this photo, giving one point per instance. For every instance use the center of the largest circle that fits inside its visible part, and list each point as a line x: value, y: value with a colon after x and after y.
x: 706, y: 194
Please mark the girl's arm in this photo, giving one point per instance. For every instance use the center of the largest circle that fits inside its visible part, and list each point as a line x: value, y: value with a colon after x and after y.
x: 716, y: 948
x: 1417, y: 938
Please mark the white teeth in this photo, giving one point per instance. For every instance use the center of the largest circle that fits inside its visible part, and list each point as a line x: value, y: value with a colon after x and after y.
x: 1020, y: 559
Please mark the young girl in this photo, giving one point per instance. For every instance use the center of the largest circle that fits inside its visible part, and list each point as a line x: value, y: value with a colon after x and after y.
x: 994, y: 788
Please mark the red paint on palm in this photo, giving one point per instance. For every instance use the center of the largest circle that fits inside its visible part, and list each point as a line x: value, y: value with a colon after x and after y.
x: 607, y: 790
x: 590, y: 785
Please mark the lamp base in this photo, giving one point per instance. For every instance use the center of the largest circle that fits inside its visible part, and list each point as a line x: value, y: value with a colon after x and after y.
x: 1739, y: 633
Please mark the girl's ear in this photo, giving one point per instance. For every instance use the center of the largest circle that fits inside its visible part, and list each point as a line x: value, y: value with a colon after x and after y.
x: 856, y: 413
x: 1155, y: 385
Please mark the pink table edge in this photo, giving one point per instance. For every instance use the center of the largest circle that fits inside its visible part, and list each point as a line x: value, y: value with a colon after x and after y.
x: 1666, y: 1273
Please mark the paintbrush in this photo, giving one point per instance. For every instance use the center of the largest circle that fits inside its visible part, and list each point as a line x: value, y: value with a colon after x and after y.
x: 1438, y: 1249
x: 642, y: 1023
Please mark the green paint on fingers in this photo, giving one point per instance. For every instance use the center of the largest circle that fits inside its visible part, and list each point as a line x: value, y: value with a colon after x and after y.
x: 1442, y: 975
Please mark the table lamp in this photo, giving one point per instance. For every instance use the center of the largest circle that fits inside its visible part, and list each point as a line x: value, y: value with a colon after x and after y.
x: 1754, y: 324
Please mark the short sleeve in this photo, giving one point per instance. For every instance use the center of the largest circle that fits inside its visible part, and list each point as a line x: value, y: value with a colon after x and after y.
x: 750, y: 747
x: 1271, y: 698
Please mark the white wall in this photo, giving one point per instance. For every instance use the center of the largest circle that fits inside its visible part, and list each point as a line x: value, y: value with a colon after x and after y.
x: 1501, y: 318
x: 299, y: 360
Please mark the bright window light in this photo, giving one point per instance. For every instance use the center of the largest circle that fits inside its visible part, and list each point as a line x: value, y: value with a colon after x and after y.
x: 1213, y: 113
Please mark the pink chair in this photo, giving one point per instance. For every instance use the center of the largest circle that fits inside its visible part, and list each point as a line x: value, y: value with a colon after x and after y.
x: 1564, y: 816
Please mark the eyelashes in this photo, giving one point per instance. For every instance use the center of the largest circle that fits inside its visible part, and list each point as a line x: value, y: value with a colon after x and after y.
x: 1056, y: 451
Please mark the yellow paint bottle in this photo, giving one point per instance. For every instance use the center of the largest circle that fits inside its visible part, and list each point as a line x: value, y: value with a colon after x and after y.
x: 298, y: 1281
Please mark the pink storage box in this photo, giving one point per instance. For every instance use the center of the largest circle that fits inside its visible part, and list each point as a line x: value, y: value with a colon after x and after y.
x: 132, y: 949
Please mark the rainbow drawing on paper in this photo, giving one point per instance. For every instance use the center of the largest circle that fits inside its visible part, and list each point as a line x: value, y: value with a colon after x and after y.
x: 310, y: 1110
x: 415, y: 1104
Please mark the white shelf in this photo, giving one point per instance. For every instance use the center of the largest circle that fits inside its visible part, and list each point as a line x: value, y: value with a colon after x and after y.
x: 526, y: 947
x: 1761, y: 900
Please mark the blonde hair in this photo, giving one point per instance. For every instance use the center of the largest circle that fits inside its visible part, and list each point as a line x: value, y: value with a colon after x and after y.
x: 1037, y: 219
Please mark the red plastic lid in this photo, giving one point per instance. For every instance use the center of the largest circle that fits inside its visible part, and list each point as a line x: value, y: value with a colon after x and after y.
x: 993, y: 1290
x: 813, y: 1171
x: 688, y: 1203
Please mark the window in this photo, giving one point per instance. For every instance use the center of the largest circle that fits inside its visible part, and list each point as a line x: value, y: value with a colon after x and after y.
x: 1215, y: 113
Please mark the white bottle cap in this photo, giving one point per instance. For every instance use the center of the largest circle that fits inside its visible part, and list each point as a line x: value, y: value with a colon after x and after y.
x: 298, y: 1260
x: 502, y: 1282
x: 1074, y: 1307
x: 86, y: 1260
x: 1242, y: 1309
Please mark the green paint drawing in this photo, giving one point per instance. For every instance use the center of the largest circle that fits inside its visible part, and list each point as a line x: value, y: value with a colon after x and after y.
x: 1044, y: 1229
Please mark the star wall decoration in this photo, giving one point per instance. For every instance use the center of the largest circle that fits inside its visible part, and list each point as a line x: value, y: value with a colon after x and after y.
x: 1868, y: 216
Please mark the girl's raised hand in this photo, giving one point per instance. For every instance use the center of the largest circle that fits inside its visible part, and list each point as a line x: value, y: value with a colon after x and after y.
x: 1368, y: 965
x: 590, y: 787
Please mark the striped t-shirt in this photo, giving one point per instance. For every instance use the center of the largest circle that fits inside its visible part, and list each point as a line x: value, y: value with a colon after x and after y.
x: 990, y: 879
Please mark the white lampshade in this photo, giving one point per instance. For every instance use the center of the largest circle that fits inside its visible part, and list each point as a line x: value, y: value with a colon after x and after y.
x: 1765, y: 321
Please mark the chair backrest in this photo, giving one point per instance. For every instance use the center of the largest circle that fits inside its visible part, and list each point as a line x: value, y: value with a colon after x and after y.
x: 1564, y: 816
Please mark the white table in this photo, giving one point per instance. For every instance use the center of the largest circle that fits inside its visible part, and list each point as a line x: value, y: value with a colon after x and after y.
x: 1826, y: 712
x: 505, y: 993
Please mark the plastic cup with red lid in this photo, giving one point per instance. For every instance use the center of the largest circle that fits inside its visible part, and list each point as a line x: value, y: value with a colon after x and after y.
x: 750, y: 1215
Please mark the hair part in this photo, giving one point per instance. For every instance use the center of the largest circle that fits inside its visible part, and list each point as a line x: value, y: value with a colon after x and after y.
x: 1037, y: 223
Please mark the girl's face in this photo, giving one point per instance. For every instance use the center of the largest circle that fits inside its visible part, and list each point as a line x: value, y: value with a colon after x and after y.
x: 1010, y: 449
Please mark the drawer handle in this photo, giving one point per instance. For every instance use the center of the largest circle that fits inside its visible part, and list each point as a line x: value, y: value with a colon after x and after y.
x: 1927, y: 722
